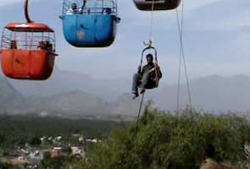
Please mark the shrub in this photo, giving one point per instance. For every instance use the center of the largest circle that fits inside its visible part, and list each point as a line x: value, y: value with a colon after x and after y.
x: 178, y: 140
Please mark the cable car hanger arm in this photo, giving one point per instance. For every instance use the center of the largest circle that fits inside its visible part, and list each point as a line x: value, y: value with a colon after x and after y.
x: 26, y: 11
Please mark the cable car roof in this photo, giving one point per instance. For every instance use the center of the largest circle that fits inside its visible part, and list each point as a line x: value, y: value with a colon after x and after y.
x: 28, y: 27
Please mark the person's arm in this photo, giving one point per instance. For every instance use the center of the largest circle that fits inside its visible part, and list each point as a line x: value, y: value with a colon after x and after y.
x: 69, y: 12
x: 80, y: 11
x: 143, y: 70
x: 139, y: 70
x: 158, y: 69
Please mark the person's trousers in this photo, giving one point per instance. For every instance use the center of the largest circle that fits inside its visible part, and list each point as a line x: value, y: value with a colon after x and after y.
x: 139, y: 81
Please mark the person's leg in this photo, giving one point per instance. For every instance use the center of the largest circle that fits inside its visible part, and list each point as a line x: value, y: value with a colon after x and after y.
x: 151, y: 84
x: 135, y: 83
x: 145, y: 81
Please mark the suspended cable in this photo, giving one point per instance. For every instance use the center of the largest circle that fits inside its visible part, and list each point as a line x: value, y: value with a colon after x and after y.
x: 179, y: 81
x: 182, y: 57
x: 150, y: 45
x: 151, y: 21
x: 139, y: 113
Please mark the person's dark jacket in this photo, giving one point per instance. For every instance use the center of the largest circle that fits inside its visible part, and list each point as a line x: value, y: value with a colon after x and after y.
x: 149, y: 68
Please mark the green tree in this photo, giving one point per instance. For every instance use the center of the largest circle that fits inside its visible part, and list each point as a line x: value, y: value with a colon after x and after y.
x: 163, y: 139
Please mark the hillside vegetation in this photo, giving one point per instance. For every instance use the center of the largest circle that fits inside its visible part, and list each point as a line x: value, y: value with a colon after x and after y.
x: 177, y: 140
x: 17, y: 130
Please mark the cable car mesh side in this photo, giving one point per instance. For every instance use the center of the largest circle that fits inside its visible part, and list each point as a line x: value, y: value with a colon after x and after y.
x: 96, y: 7
x: 26, y: 40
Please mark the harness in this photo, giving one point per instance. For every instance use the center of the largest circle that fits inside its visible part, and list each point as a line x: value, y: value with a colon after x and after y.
x: 156, y: 67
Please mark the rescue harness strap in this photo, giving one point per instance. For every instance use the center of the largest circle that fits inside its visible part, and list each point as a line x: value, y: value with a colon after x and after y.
x: 156, y: 75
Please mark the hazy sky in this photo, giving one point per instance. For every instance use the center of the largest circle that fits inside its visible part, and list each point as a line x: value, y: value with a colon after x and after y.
x: 216, y: 38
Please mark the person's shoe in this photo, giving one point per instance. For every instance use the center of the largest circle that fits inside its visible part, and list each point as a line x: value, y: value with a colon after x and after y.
x: 135, y: 95
x: 143, y: 90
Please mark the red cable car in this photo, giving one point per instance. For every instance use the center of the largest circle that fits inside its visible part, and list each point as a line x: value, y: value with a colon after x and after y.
x: 28, y: 50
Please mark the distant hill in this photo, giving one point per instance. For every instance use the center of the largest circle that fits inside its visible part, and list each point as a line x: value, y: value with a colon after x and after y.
x: 66, y: 81
x: 81, y: 95
x: 212, y: 93
x: 124, y: 106
x: 10, y: 99
x: 73, y: 103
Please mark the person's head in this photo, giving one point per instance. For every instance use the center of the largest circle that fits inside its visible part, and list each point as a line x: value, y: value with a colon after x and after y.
x: 74, y: 6
x: 42, y: 45
x: 108, y: 11
x: 13, y: 44
x: 149, y: 58
x: 210, y: 151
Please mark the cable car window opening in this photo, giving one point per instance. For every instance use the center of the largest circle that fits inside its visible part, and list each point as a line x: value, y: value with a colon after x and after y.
x: 96, y: 7
x: 26, y: 40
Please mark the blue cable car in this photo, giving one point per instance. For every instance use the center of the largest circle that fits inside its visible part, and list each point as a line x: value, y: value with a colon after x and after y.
x: 90, y: 23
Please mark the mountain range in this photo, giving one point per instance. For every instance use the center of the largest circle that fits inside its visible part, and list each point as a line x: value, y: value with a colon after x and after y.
x: 74, y: 95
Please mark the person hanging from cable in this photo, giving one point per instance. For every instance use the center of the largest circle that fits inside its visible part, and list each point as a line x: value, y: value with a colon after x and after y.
x: 146, y: 78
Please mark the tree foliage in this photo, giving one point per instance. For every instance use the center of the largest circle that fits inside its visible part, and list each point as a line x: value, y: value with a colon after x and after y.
x: 178, y: 140
x: 17, y: 130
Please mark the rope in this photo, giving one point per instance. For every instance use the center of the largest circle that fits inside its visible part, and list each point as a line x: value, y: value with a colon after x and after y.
x: 139, y: 113
x: 182, y: 57
x: 150, y: 46
x: 179, y: 81
x: 151, y: 21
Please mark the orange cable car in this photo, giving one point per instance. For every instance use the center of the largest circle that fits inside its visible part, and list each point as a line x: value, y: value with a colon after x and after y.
x: 28, y: 50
